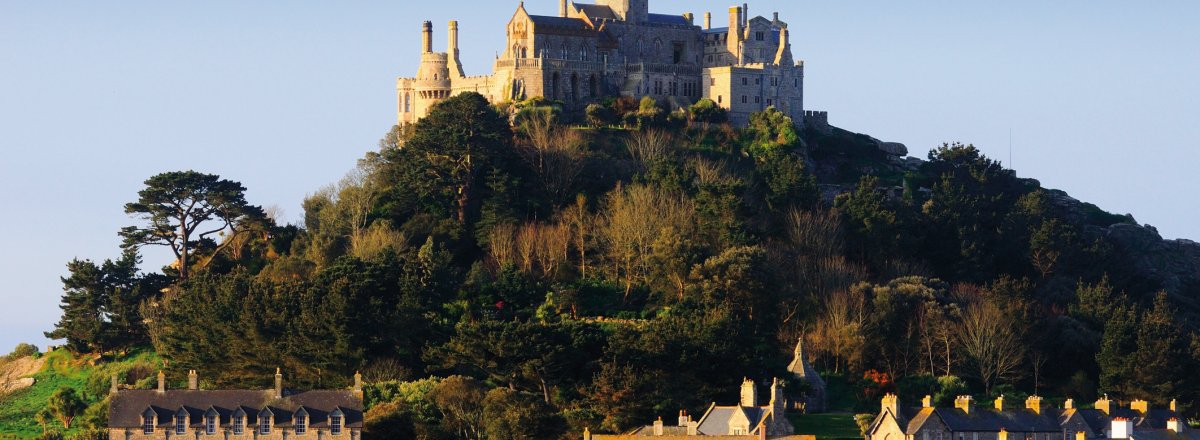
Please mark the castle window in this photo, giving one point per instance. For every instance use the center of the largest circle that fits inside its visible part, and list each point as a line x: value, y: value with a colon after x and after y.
x: 720, y: 99
x: 407, y: 103
x: 797, y: 83
x: 768, y: 102
x: 564, y: 51
x: 743, y: 99
x: 758, y: 36
x: 757, y: 99
x: 757, y: 81
x: 583, y: 53
x: 745, y: 81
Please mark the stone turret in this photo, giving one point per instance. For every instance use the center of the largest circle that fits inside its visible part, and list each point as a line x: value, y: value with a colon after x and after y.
x: 454, y: 65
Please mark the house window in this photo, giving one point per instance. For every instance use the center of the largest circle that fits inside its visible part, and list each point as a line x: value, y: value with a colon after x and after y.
x: 335, y: 424
x: 210, y: 424
x: 301, y: 424
x: 147, y: 424
x: 239, y: 425
x: 180, y: 425
x: 739, y: 431
x: 264, y: 425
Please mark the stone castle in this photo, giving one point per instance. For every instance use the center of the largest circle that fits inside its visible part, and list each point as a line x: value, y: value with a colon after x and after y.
x: 589, y: 52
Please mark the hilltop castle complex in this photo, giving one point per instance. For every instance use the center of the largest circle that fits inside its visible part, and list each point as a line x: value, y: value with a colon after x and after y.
x: 618, y: 48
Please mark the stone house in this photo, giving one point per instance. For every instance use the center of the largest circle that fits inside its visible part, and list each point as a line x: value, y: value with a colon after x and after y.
x: 746, y: 420
x: 815, y: 399
x: 1034, y: 420
x: 619, y: 48
x: 234, y: 414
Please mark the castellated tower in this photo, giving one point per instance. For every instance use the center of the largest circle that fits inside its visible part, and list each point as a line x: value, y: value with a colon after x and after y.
x: 433, y: 78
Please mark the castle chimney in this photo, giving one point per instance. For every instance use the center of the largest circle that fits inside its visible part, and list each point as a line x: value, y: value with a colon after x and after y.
x: 562, y: 8
x: 162, y: 382
x: 1034, y: 403
x: 193, y: 380
x: 658, y: 427
x: 734, y: 42
x: 708, y: 20
x: 1000, y: 403
x: 927, y: 402
x: 749, y: 393
x: 452, y: 43
x: 278, y: 384
x: 965, y: 403
x: 113, y: 387
x: 1141, y: 406
x: 745, y: 15
x: 777, y: 17
x: 691, y: 19
x: 1104, y: 405
x: 1069, y: 404
x: 890, y: 403
x: 427, y: 37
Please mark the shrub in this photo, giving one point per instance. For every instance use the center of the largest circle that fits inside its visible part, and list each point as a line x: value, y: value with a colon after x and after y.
x: 864, y: 422
x: 22, y: 350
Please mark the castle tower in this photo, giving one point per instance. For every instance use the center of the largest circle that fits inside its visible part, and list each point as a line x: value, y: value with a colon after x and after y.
x: 749, y: 393
x: 432, y: 84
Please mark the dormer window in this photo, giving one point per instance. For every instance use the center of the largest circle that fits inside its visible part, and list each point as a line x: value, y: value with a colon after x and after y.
x: 264, y: 422
x: 239, y: 422
x: 301, y: 421
x: 335, y: 422
x: 148, y: 421
x: 210, y: 422
x: 181, y: 422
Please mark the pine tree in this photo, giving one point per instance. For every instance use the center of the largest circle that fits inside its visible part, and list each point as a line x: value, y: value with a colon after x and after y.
x: 82, y: 323
x: 1117, y: 348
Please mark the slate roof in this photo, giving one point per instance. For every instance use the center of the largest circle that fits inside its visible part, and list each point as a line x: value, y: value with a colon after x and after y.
x: 981, y: 420
x: 126, y: 407
x: 596, y: 11
x: 674, y: 20
x: 720, y: 30
x: 1163, y: 434
x: 648, y: 431
x: 716, y: 422
x: 559, y: 22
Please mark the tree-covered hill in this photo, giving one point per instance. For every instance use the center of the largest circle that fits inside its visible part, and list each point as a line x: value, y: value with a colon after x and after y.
x: 506, y: 272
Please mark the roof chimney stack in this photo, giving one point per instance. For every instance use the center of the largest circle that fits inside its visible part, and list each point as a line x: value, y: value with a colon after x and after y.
x: 749, y: 393
x: 707, y: 20
x: 1069, y: 404
x: 927, y: 402
x: 193, y: 380
x: 1174, y: 406
x: 278, y: 384
x: 1104, y: 405
x: 683, y: 418
x: 1034, y: 403
x: 658, y: 427
x: 890, y: 403
x: 1174, y: 425
x: 1141, y: 406
x: 1000, y: 403
x: 358, y: 384
x: 745, y: 15
x: 965, y: 403
x: 162, y: 382
x: 113, y: 387
x: 1121, y: 428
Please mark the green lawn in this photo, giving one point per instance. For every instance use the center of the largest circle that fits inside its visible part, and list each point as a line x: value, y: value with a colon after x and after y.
x: 17, y: 410
x: 826, y: 426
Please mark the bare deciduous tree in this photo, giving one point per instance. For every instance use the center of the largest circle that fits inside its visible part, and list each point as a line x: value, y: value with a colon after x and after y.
x: 556, y: 153
x: 990, y: 343
x: 650, y: 147
x: 633, y: 219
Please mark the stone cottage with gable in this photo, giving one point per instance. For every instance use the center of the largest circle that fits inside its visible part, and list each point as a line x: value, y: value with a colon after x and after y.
x: 234, y: 414
x: 746, y: 420
x: 1034, y: 420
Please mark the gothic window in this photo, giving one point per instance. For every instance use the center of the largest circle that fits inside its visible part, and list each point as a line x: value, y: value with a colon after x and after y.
x: 768, y: 102
x: 757, y: 81
x: 657, y: 47
x: 583, y: 53
x: 797, y: 83
x: 564, y: 51
x: 757, y: 99
x: 407, y: 103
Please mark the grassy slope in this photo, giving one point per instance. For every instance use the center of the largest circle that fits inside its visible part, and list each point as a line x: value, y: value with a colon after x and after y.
x: 17, y: 410
x: 826, y: 426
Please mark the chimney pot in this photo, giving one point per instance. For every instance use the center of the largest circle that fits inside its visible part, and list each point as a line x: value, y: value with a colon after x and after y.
x: 964, y: 403
x: 1141, y: 406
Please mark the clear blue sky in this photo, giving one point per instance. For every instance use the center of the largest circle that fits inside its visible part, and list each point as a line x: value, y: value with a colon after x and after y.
x: 1102, y: 98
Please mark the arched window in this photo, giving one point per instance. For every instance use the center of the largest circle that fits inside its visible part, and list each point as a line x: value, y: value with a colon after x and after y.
x: 583, y: 53
x: 564, y: 51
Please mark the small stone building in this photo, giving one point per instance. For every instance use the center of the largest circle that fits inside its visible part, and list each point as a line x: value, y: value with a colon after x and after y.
x: 1034, y: 420
x: 815, y: 399
x: 234, y: 414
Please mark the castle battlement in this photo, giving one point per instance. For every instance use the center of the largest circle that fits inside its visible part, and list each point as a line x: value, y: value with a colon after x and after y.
x: 589, y: 52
